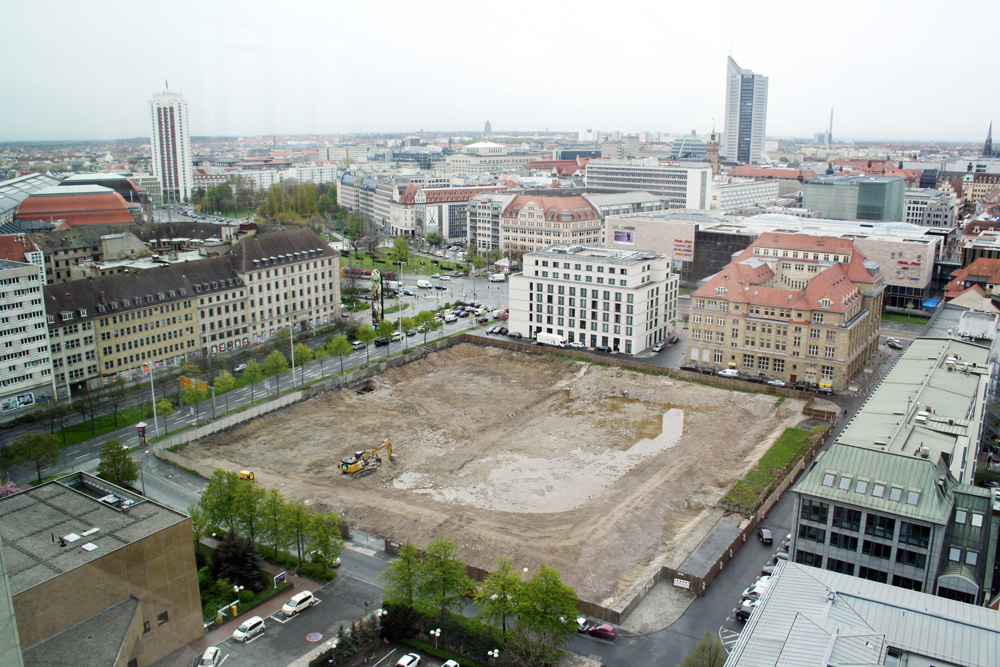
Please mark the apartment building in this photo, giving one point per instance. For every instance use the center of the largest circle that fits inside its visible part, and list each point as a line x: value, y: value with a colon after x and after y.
x: 624, y: 299
x: 292, y: 278
x: 25, y: 357
x: 929, y: 208
x: 681, y: 185
x: 892, y: 500
x: 421, y: 210
x: 532, y: 222
x: 484, y: 212
x: 791, y: 307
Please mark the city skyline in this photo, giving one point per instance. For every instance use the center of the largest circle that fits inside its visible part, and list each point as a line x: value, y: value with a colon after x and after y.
x: 247, y: 70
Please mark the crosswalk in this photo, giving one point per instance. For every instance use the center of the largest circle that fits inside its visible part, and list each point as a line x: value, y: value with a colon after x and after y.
x: 728, y: 638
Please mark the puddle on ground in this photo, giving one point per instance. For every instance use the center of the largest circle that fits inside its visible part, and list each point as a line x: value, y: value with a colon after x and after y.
x: 671, y: 431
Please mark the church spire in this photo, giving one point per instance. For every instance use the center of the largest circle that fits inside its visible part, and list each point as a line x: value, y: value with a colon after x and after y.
x: 988, y: 146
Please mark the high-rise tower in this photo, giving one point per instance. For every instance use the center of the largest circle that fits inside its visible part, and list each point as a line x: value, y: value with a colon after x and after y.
x: 746, y: 114
x: 171, y: 143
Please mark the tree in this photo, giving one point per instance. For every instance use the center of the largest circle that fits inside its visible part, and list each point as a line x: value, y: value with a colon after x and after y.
x: 321, y: 354
x: 90, y: 404
x: 221, y: 499
x: 303, y: 354
x: 115, y: 465
x: 8, y: 489
x: 399, y: 622
x: 427, y: 322
x: 282, y: 340
x: 115, y: 395
x: 223, y: 384
x: 237, y: 560
x: 400, y: 249
x: 297, y: 515
x: 708, y: 652
x: 249, y: 498
x: 340, y: 346
x: 498, y: 598
x: 323, y: 534
x: 366, y: 334
x: 165, y: 408
x: 385, y: 329
x: 254, y: 374
x: 189, y: 368
x: 407, y: 324
x: 194, y: 397
x: 546, y: 608
x: 442, y: 580
x: 435, y: 238
x: 275, y: 363
x: 273, y: 526
x: 39, y: 448
x: 199, y: 521
x: 402, y: 577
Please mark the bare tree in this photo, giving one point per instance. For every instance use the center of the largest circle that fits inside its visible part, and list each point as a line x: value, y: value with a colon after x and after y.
x: 89, y: 404
x: 115, y: 394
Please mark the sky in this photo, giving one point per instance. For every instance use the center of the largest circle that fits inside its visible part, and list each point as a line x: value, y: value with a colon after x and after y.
x: 891, y: 70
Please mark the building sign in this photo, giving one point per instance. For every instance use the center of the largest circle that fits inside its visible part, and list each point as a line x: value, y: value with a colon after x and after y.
x: 682, y: 583
x: 192, y: 383
x: 377, y: 309
x: 624, y: 235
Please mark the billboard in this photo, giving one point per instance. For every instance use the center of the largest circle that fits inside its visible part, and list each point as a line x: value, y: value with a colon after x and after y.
x: 624, y: 235
x: 376, y: 297
x: 17, y: 402
x: 193, y: 383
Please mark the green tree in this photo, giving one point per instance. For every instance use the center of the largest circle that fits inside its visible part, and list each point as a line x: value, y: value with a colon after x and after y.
x: 164, y: 408
x: 323, y: 535
x: 115, y: 465
x: 402, y: 577
x: 399, y: 622
x: 400, y: 249
x: 427, y: 322
x: 253, y: 374
x: 355, y: 225
x: 407, y: 324
x: 190, y: 369
x: 199, y: 521
x: 194, y: 397
x: 221, y: 499
x: 546, y: 608
x: 298, y: 517
x: 366, y: 334
x: 273, y: 523
x: 275, y: 363
x: 115, y: 395
x: 224, y: 383
x: 442, y: 581
x: 321, y: 354
x: 282, y: 340
x: 708, y: 652
x: 340, y: 346
x: 42, y: 449
x: 385, y: 329
x: 237, y: 560
x: 435, y: 238
x: 303, y: 354
x: 249, y: 500
x: 498, y: 598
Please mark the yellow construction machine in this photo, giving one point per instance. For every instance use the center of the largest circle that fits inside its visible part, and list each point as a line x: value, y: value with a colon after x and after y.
x: 365, y: 462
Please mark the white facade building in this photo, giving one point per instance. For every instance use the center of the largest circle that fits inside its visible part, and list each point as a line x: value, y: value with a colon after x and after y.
x: 624, y: 299
x: 741, y: 193
x: 681, y: 185
x: 171, y: 145
x: 929, y: 208
x: 746, y: 115
x: 25, y: 358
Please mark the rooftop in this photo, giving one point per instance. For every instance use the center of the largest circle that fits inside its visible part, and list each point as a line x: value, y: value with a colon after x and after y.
x: 813, y: 618
x: 851, y: 179
x: 598, y: 253
x: 94, y: 642
x: 92, y: 517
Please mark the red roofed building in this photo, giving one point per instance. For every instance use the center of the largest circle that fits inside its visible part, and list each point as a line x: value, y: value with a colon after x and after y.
x: 772, y: 174
x: 533, y: 222
x: 78, y: 205
x: 983, y: 273
x: 423, y: 210
x: 791, y: 307
x: 560, y: 168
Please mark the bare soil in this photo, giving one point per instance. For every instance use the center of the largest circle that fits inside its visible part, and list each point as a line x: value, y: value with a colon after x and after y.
x: 596, y: 471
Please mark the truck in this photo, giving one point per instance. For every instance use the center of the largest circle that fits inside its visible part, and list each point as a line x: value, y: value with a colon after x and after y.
x: 424, y: 284
x: 394, y: 285
x: 550, y: 339
x: 498, y: 278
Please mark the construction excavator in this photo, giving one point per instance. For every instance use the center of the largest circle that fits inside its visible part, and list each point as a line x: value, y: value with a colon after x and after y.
x: 365, y: 462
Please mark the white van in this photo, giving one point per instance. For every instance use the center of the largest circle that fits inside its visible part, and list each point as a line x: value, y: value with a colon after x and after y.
x: 298, y: 602
x: 498, y: 278
x: 424, y: 284
x: 249, y: 629
x: 729, y: 373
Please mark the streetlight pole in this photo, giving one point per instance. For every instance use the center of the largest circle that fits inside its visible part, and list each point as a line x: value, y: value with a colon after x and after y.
x: 152, y: 391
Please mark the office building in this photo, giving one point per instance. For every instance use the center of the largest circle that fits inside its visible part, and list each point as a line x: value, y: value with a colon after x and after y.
x: 809, y: 617
x: 624, y: 299
x: 791, y: 307
x: 689, y: 147
x: 870, y: 198
x: 98, y: 575
x: 171, y: 145
x: 739, y: 194
x: 25, y: 358
x: 680, y: 185
x: 421, y: 210
x: 746, y: 115
x: 892, y: 500
x: 929, y: 208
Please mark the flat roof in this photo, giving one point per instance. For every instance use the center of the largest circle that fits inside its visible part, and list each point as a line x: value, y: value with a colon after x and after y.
x: 851, y: 179
x: 596, y: 253
x: 810, y: 617
x: 72, y: 507
x: 96, y: 641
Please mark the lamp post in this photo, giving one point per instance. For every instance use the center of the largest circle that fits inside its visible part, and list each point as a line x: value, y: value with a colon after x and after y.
x: 494, y: 654
x: 435, y: 634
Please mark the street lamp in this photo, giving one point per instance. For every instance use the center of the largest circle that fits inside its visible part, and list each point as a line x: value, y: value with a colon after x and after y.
x: 494, y: 654
x: 435, y: 634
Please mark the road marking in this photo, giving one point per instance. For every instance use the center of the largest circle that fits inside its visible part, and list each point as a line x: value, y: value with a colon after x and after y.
x: 728, y: 638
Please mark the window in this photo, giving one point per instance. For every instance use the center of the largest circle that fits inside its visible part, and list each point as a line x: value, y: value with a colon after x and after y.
x: 960, y: 516
x: 971, y: 558
x: 841, y: 541
x: 911, y: 558
x: 847, y: 519
x: 876, y: 550
x: 955, y: 554
x: 895, y: 493
x: 915, y: 535
x: 905, y: 582
x: 861, y: 487
x: 873, y: 575
x: 145, y: 627
x: 845, y: 483
x: 829, y: 478
x: 807, y: 558
x: 162, y: 618
x: 878, y: 490
x: 814, y: 511
x: 977, y: 520
x: 813, y: 534
x: 912, y: 497
x: 840, y: 566
x: 880, y: 526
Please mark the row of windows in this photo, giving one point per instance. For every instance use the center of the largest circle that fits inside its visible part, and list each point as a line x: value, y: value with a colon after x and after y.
x: 878, y: 488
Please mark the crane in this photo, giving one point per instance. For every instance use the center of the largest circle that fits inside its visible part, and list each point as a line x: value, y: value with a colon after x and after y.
x: 365, y: 462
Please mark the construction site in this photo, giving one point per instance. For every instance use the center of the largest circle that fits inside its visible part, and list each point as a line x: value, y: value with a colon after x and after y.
x: 603, y: 473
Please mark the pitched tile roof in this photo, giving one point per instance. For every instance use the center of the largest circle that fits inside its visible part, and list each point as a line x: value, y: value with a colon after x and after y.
x: 574, y: 207
x: 296, y: 244
x: 982, y: 271
x: 13, y: 247
x: 77, y: 205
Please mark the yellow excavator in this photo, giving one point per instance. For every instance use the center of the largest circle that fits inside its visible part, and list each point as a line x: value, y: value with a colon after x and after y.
x: 365, y: 462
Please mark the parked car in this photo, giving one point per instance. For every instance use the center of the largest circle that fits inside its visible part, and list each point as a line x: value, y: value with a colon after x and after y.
x: 658, y: 347
x: 503, y: 331
x: 492, y: 330
x: 445, y: 278
x: 435, y: 276
x: 895, y: 345
x: 603, y: 348
x: 249, y: 629
x: 767, y: 570
x: 450, y: 317
x: 409, y: 660
x: 298, y: 602
x: 411, y: 332
x: 514, y: 334
x: 776, y: 383
x: 397, y: 335
x: 603, y: 630
x: 577, y: 344
x: 583, y: 624
x: 673, y: 340
x: 408, y: 292
x: 450, y: 663
x: 745, y: 609
x: 764, y: 535
x: 240, y: 368
x: 482, y: 320
x: 463, y: 313
x: 357, y: 345
x: 211, y: 657
x: 381, y: 342
x: 441, y: 287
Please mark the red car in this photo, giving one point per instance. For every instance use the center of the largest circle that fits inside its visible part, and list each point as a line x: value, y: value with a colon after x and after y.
x: 603, y: 630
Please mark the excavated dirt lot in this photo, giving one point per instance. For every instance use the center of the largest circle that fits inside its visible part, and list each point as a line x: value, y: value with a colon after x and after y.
x: 599, y: 472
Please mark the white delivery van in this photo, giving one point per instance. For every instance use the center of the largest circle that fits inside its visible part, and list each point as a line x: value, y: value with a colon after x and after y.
x: 424, y: 284
x: 550, y: 339
x: 729, y: 373
x: 498, y: 277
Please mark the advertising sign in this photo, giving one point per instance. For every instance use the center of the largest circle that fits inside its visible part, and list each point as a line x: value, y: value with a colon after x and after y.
x: 17, y: 402
x: 624, y: 235
x: 192, y: 383
x: 377, y: 309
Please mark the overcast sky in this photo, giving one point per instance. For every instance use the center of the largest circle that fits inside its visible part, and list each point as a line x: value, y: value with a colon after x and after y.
x: 891, y: 70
